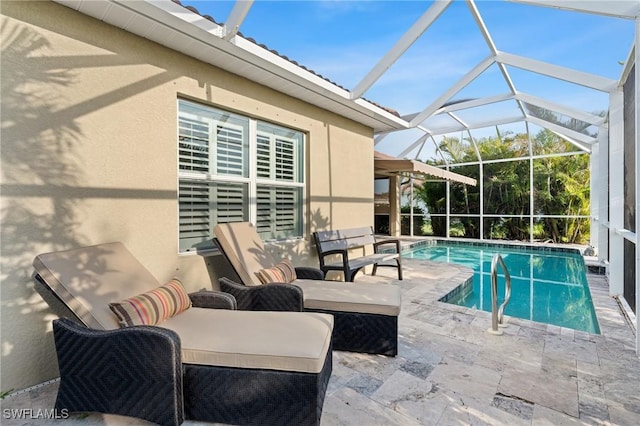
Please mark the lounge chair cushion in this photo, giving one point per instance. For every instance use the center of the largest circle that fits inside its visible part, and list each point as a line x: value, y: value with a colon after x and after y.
x: 247, y: 339
x: 246, y: 252
x: 87, y: 279
x: 244, y: 249
x: 382, y: 299
x: 154, y: 306
x: 282, y: 272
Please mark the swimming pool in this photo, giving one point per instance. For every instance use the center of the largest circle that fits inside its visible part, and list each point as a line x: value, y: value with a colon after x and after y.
x: 546, y: 286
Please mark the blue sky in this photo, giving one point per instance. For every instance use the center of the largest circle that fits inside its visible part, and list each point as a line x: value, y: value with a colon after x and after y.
x: 343, y: 40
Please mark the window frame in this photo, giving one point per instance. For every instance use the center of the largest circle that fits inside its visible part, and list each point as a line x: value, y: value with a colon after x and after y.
x: 252, y: 181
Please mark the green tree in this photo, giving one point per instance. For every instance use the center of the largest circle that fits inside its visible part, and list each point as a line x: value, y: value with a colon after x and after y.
x: 561, y: 187
x: 433, y: 194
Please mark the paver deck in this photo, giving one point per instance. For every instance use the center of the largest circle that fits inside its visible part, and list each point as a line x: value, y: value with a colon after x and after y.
x: 450, y: 371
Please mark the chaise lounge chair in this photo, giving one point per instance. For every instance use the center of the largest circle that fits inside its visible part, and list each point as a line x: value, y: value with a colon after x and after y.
x: 215, y: 365
x: 365, y: 315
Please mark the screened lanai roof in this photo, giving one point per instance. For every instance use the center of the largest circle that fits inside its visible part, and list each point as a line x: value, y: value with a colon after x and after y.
x: 420, y: 73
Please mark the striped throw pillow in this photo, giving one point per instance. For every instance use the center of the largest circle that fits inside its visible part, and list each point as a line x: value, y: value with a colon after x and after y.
x: 152, y: 307
x: 282, y: 272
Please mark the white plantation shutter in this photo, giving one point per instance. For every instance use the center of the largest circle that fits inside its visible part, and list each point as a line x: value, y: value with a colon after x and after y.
x: 277, y: 158
x: 204, y: 204
x: 287, y: 211
x: 278, y: 212
x: 212, y: 142
x: 214, y: 169
x: 278, y: 188
x: 231, y: 155
x: 193, y: 145
x: 264, y: 208
x: 195, y: 214
x: 278, y: 153
x: 193, y: 196
x: 263, y: 160
x: 285, y: 166
x: 229, y: 202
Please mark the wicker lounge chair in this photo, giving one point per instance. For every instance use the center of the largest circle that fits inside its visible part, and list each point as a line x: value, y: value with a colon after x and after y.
x: 365, y: 315
x: 208, y: 363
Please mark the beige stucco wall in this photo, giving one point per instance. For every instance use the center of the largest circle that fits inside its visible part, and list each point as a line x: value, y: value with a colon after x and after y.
x: 89, y: 156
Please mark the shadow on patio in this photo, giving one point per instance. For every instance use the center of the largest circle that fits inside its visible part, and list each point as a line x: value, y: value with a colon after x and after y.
x: 450, y: 371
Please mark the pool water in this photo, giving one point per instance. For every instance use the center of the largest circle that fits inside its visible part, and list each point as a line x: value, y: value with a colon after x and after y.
x: 548, y: 287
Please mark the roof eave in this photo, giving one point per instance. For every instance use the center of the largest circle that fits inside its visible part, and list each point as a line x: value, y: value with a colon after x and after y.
x: 180, y: 29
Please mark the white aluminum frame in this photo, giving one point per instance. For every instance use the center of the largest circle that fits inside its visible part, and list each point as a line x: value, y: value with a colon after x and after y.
x: 171, y: 25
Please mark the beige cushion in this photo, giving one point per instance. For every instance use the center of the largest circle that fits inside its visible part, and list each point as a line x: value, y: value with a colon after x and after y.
x: 244, y: 249
x: 289, y: 341
x: 383, y: 299
x: 87, y: 279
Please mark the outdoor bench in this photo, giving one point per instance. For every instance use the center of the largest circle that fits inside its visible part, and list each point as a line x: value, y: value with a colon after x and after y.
x: 341, y: 242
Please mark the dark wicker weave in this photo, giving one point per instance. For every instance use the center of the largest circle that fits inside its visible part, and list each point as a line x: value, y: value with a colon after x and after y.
x: 364, y: 333
x: 134, y: 371
x: 352, y: 331
x: 266, y: 297
x: 257, y: 397
x: 107, y: 372
x: 213, y: 300
x: 308, y: 273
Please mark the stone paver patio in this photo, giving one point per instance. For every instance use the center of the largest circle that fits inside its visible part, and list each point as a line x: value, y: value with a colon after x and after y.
x: 450, y: 371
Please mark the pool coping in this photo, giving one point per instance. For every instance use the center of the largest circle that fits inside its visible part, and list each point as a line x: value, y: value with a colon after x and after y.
x: 597, y: 282
x: 515, y: 245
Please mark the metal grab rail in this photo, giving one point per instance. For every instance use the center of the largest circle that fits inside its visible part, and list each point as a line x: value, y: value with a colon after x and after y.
x: 497, y: 314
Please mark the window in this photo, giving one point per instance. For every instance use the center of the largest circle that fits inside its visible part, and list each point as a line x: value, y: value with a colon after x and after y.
x: 232, y: 169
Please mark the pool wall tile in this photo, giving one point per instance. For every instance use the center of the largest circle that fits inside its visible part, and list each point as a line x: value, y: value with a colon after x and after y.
x: 459, y: 292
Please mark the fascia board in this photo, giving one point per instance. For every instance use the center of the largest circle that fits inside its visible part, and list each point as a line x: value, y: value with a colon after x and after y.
x: 282, y: 68
x: 184, y: 20
x: 191, y: 29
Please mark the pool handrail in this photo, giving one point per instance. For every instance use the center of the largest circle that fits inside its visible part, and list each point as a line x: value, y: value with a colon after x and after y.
x: 497, y: 314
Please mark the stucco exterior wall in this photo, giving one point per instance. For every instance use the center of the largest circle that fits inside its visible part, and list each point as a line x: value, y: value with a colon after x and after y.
x: 89, y: 156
